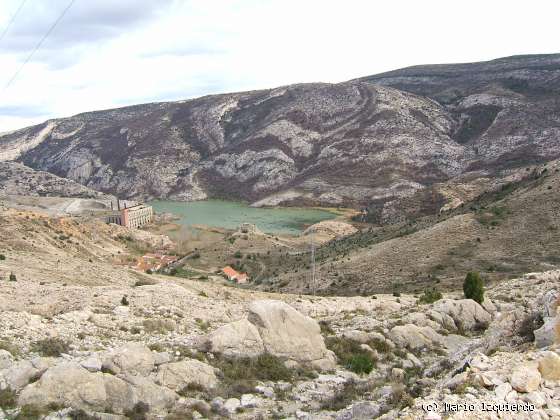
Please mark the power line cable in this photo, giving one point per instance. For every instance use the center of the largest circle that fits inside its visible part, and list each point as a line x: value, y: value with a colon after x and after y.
x: 5, y: 31
x: 30, y: 56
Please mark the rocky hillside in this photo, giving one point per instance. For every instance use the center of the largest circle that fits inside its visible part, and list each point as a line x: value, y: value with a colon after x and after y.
x: 18, y: 179
x: 82, y: 337
x: 360, y: 143
x: 500, y: 233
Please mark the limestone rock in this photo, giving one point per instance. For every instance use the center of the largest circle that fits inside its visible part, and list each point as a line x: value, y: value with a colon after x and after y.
x: 414, y: 337
x: 239, y: 338
x: 133, y: 358
x: 231, y: 405
x: 20, y: 374
x: 466, y: 313
x: 161, y: 358
x: 67, y: 385
x: 489, y: 306
x: 356, y: 335
x: 503, y: 390
x: 547, y: 334
x: 160, y: 399
x: 287, y: 333
x: 250, y: 401
x: 525, y: 378
x: 177, y: 376
x: 92, y: 363
x: 549, y: 366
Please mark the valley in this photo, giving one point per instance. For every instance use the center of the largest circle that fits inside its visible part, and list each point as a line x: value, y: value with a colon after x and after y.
x: 356, y: 211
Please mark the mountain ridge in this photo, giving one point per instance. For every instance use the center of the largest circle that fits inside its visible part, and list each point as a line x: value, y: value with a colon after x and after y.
x: 368, y: 142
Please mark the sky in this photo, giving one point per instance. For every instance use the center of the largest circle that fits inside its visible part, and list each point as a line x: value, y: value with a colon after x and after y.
x: 110, y: 53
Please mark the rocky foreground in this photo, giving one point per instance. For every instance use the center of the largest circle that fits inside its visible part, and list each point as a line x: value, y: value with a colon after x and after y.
x: 164, y: 348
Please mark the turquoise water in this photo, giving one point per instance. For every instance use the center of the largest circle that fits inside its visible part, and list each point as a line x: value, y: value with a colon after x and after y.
x: 230, y: 215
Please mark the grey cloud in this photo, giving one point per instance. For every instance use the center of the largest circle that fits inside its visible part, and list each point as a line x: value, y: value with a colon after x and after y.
x: 87, y: 22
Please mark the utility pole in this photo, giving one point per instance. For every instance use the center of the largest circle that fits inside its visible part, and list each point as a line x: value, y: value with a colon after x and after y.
x: 313, y: 281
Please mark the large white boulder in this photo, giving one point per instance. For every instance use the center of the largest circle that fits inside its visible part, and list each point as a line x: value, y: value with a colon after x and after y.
x: 466, y: 313
x: 66, y: 385
x: 289, y: 334
x: 275, y: 327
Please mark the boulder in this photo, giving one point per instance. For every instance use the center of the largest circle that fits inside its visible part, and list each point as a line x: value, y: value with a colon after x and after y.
x: 547, y: 334
x: 443, y: 319
x: 93, y: 363
x: 489, y: 306
x: 20, y: 374
x: 231, y: 405
x: 250, y: 401
x: 361, y: 337
x: 67, y: 385
x: 414, y: 337
x: 549, y: 366
x: 161, y: 358
x: 177, y: 376
x: 525, y: 378
x: 502, y: 391
x: 120, y: 395
x: 466, y: 313
x: 160, y: 399
x: 236, y: 339
x: 287, y: 333
x: 133, y: 358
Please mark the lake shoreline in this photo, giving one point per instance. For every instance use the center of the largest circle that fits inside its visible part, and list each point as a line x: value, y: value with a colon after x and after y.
x: 229, y: 215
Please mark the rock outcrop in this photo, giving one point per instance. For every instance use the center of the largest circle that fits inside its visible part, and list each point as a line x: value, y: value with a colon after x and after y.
x: 467, y: 314
x: 276, y: 328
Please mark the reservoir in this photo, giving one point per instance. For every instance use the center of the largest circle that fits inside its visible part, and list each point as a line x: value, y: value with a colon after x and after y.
x: 231, y: 214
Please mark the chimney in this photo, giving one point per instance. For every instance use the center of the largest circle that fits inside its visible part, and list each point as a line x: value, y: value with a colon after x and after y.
x: 111, y: 205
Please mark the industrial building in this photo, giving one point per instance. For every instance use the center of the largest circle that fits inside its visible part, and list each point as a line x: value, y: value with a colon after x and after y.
x: 131, y: 217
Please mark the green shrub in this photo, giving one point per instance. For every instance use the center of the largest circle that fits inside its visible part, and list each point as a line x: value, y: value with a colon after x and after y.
x: 379, y: 345
x: 158, y: 326
x: 396, y: 294
x: 430, y: 296
x: 473, y: 287
x: 10, y: 348
x: 351, y: 355
x: 241, y: 375
x: 13, y: 277
x: 238, y: 254
x: 50, y: 347
x: 124, y: 301
x: 2, y: 257
x: 361, y: 363
x: 8, y: 398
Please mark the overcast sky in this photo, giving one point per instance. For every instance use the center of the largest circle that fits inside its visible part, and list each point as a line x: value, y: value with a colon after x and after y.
x: 109, y: 53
